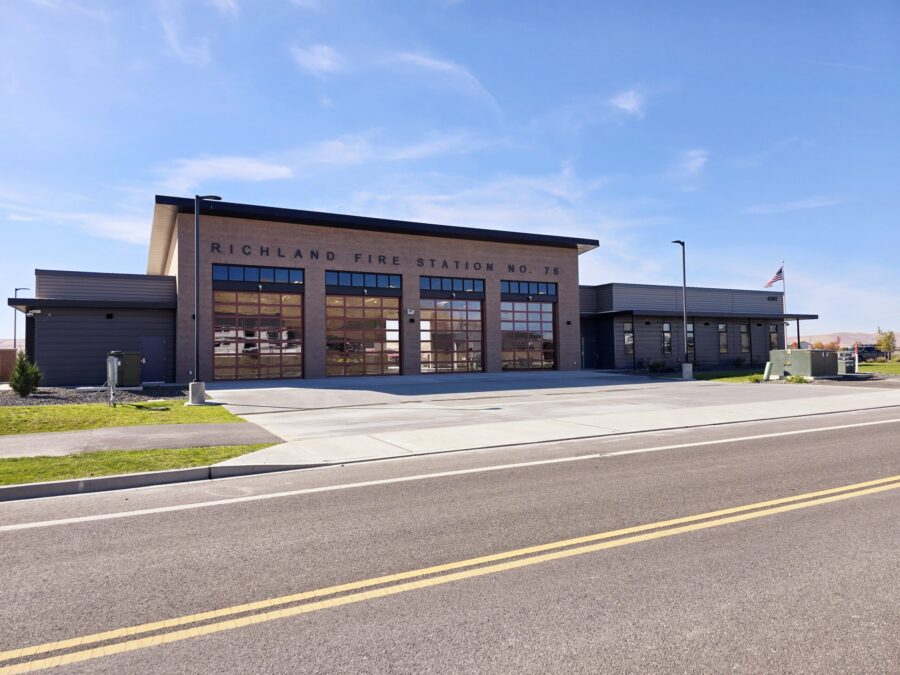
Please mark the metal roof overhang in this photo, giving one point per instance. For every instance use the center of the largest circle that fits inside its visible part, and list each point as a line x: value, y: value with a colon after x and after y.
x: 29, y: 304
x: 790, y: 316
x: 168, y: 207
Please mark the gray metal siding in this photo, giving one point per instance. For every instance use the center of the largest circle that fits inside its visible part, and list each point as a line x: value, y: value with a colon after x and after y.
x: 88, y: 286
x: 71, y: 344
x: 709, y: 301
x: 587, y: 299
x: 649, y: 342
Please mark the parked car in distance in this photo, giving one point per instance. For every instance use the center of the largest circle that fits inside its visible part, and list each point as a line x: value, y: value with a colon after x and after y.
x: 868, y: 352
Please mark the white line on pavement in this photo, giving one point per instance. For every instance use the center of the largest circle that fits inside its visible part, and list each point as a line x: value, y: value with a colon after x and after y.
x: 417, y: 477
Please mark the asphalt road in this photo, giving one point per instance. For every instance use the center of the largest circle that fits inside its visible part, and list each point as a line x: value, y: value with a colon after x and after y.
x: 784, y: 585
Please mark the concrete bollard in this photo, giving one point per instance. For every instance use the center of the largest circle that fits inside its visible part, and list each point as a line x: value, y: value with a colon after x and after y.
x: 197, y: 393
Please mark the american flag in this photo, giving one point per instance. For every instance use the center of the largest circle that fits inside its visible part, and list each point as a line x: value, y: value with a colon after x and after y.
x: 779, y: 276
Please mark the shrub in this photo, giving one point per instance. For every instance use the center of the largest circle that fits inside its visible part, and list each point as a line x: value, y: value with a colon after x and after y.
x: 756, y: 377
x: 656, y: 366
x: 25, y: 377
x: 880, y: 359
x: 795, y: 379
x: 739, y: 362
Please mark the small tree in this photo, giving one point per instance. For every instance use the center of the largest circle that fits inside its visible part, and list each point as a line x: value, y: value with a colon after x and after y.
x: 25, y: 377
x: 887, y: 342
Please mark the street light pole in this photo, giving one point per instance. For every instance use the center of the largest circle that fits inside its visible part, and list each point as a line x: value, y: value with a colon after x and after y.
x: 16, y: 319
x: 197, y: 388
x: 687, y: 368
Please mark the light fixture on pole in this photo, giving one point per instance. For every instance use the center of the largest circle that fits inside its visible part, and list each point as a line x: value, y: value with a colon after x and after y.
x: 687, y: 368
x: 16, y: 318
x: 197, y: 388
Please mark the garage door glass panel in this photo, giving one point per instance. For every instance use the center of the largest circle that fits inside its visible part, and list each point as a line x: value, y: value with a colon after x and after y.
x: 257, y: 335
x: 362, y: 335
x: 450, y: 333
x: 527, y: 335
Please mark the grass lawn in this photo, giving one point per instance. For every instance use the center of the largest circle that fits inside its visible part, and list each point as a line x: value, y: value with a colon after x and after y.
x: 17, y: 470
x: 726, y: 375
x: 79, y: 416
x: 892, y: 368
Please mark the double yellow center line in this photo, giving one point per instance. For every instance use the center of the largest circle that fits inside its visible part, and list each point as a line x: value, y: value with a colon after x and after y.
x: 206, y: 623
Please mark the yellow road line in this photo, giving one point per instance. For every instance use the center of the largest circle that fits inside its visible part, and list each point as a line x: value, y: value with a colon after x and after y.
x: 377, y: 581
x: 880, y: 485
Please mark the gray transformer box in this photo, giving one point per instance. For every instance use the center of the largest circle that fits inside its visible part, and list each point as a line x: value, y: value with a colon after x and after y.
x: 805, y: 362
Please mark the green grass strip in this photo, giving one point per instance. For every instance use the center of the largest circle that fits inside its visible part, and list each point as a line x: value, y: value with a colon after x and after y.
x: 892, y: 368
x: 726, y: 375
x: 33, y: 419
x: 17, y: 470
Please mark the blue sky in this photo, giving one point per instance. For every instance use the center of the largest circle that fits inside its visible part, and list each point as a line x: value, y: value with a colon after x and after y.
x: 756, y: 131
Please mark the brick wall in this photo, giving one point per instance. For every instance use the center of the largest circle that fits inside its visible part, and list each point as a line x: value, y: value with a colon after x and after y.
x: 241, y: 241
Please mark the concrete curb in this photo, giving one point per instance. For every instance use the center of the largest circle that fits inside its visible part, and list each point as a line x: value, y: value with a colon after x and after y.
x: 58, y: 488
x: 135, y: 480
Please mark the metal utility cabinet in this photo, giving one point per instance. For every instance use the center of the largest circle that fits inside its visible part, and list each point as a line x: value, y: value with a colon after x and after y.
x: 805, y: 362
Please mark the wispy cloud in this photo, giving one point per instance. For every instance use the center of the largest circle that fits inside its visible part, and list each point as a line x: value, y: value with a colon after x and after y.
x: 629, y: 101
x: 229, y: 7
x: 183, y: 175
x: 308, y: 4
x: 692, y: 162
x: 317, y: 60
x: 845, y: 66
x: 798, y: 205
x: 359, y: 149
x: 452, y: 74
x: 193, y: 51
x: 127, y: 226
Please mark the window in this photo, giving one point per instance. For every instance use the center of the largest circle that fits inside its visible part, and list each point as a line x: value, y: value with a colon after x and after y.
x: 451, y: 335
x: 773, y: 336
x: 361, y: 280
x: 723, y: 338
x: 667, y: 338
x: 527, y: 288
x: 690, y: 338
x: 745, y: 339
x: 628, y: 331
x: 252, y: 275
x: 257, y: 335
x: 362, y: 335
x: 527, y: 336
x: 451, y: 285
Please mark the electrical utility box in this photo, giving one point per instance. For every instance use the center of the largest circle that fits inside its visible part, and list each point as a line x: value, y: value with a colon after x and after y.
x: 805, y: 362
x: 128, y: 371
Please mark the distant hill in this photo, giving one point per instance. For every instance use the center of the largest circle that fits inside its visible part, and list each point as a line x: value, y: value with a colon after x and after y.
x: 847, y: 338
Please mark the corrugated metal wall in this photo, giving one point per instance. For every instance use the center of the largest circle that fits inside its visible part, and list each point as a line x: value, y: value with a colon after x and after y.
x: 71, y: 344
x: 709, y: 301
x: 61, y: 285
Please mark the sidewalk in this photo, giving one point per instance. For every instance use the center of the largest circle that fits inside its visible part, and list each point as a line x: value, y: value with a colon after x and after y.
x: 381, y: 426
x: 151, y: 437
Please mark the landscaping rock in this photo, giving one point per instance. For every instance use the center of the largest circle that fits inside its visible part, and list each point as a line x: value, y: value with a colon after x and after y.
x: 68, y: 395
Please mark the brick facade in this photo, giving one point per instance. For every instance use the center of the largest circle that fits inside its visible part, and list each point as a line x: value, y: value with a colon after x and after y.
x: 254, y: 242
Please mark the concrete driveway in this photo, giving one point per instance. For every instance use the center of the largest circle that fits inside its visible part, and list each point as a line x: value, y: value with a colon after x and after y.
x: 353, y: 419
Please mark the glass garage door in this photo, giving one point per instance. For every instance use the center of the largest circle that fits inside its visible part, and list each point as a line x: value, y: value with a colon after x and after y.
x: 450, y: 335
x: 528, y: 337
x: 362, y: 335
x: 257, y: 335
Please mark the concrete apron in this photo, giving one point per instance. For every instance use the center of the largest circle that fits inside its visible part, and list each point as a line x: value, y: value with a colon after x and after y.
x: 352, y: 448
x: 389, y: 444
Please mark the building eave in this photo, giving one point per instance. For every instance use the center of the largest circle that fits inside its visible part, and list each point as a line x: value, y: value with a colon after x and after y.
x: 168, y: 207
x: 161, y: 235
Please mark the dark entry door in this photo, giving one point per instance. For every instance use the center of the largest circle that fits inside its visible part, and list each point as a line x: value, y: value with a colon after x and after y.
x: 153, y: 353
